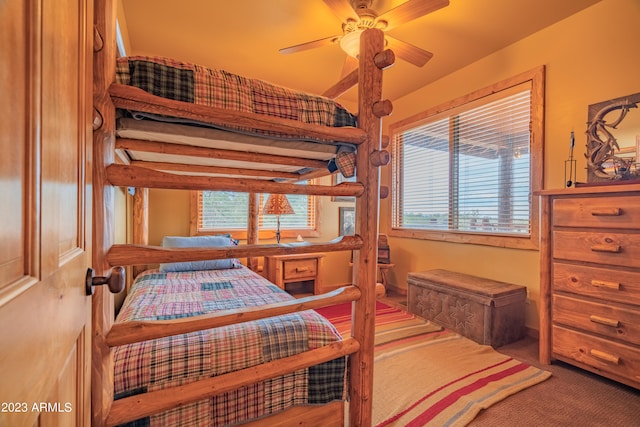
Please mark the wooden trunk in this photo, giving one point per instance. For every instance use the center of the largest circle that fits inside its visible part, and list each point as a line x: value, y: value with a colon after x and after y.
x: 486, y: 311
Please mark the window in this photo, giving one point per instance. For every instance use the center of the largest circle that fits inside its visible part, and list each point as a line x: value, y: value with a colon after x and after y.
x: 466, y: 172
x: 228, y: 212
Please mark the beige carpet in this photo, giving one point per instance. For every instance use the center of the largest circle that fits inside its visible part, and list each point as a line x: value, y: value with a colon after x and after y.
x: 428, y: 376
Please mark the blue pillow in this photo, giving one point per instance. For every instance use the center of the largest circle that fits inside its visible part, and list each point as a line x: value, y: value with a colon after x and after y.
x: 199, y: 242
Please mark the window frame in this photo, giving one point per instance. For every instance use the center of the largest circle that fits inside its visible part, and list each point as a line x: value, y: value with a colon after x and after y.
x: 263, y: 232
x: 536, y: 78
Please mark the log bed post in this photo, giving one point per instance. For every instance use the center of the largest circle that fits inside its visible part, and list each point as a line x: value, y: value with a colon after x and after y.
x: 365, y: 259
x: 252, y: 228
x: 103, y: 207
x: 140, y: 223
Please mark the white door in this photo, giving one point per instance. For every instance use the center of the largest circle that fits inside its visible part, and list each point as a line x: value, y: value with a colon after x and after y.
x: 45, y: 221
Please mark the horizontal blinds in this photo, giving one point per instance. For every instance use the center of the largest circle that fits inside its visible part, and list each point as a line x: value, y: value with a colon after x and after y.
x: 468, y: 170
x: 222, y: 210
x: 228, y: 210
x: 425, y: 176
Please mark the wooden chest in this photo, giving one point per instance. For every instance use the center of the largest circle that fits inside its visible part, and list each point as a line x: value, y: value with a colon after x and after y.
x: 486, y: 311
x: 590, y: 283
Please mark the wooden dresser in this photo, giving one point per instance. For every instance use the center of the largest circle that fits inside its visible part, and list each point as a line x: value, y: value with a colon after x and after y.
x: 590, y: 280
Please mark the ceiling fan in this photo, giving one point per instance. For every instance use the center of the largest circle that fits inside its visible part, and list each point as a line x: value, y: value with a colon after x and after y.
x: 357, y: 16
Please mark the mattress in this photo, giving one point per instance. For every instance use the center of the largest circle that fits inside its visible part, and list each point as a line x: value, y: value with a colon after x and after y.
x: 316, y: 155
x: 177, y: 360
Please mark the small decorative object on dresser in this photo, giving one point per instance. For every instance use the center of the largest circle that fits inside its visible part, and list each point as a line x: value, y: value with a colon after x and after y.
x: 611, y: 131
x: 487, y: 311
x: 590, y: 280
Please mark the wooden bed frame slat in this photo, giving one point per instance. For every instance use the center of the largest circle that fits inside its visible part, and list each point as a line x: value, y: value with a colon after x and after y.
x: 135, y: 99
x: 213, y: 153
x: 130, y: 332
x: 135, y: 176
x: 331, y: 414
x: 127, y: 254
x: 218, y: 170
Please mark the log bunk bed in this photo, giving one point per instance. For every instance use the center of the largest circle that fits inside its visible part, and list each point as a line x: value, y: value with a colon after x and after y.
x: 108, y: 258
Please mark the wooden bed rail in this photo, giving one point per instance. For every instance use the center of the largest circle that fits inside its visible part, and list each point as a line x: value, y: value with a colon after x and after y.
x: 137, y: 331
x: 129, y: 254
x: 215, y: 153
x: 138, y: 406
x: 135, y: 176
x: 135, y: 99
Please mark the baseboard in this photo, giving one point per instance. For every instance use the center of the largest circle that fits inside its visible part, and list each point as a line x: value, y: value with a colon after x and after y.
x: 396, y: 290
x: 533, y: 333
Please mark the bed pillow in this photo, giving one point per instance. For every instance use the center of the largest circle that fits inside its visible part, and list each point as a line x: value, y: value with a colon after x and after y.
x: 199, y: 242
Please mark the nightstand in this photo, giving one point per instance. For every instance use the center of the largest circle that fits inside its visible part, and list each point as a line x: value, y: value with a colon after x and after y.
x: 299, y: 273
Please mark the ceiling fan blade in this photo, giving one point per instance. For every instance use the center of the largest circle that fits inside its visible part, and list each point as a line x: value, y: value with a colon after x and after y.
x: 310, y: 45
x: 350, y: 64
x: 408, y: 52
x: 409, y: 11
x: 342, y: 9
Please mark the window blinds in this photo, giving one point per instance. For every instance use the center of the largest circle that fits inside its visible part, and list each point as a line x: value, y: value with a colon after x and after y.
x: 468, y: 169
x: 228, y: 210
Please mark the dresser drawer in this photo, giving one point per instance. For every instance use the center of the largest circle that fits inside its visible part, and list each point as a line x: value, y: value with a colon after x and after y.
x: 297, y: 269
x: 599, y: 318
x: 603, y: 355
x: 598, y: 212
x: 622, y: 249
x: 603, y: 283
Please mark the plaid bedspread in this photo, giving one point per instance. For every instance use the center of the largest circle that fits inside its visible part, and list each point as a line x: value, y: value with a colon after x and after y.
x: 170, y: 361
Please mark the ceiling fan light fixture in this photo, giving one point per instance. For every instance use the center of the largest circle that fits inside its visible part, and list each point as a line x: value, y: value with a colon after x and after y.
x: 350, y: 43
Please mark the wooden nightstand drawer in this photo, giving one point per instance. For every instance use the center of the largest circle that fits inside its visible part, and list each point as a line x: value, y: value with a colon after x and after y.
x: 299, y: 269
x: 599, y: 212
x: 620, y: 361
x: 621, y: 249
x: 599, y: 318
x: 603, y: 283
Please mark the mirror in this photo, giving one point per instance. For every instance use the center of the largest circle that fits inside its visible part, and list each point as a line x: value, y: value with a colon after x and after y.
x: 613, y: 140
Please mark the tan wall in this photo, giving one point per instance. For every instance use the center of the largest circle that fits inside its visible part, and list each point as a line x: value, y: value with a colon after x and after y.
x: 589, y: 57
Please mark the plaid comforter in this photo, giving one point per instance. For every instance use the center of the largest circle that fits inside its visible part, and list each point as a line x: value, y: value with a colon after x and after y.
x: 171, y: 361
x: 192, y: 83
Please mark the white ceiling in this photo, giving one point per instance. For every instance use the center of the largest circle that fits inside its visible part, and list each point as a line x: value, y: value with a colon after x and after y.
x: 243, y: 36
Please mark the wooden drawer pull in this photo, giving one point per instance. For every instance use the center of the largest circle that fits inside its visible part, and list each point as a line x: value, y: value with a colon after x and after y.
x: 302, y: 269
x: 604, y: 321
x: 606, y: 248
x: 605, y: 356
x: 606, y: 212
x: 605, y: 284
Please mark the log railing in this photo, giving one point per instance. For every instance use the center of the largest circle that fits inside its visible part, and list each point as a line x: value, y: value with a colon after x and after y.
x: 135, y: 176
x: 135, y: 99
x: 137, y: 331
x: 128, y: 254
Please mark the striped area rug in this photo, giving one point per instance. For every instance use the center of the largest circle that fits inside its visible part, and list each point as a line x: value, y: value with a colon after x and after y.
x: 425, y: 375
